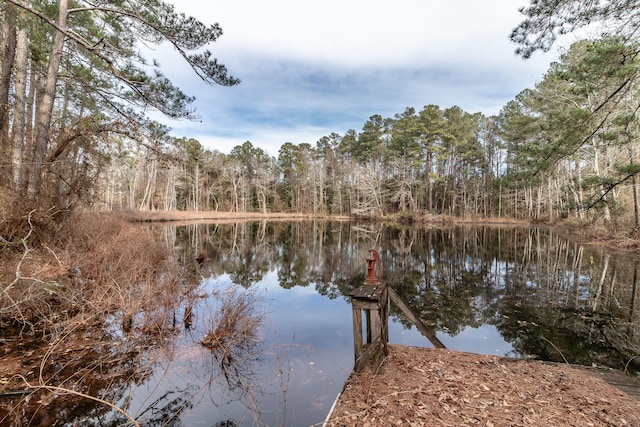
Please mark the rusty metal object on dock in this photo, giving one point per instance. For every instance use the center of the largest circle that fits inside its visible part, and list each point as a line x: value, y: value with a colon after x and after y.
x: 374, y: 267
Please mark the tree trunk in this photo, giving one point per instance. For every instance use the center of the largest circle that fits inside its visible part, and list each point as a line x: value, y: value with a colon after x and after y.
x: 19, y: 115
x: 429, y: 182
x: 8, y: 49
x: 45, y: 107
x: 634, y: 187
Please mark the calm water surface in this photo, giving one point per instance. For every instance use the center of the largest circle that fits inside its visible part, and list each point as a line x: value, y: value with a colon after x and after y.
x: 500, y: 291
x: 511, y: 292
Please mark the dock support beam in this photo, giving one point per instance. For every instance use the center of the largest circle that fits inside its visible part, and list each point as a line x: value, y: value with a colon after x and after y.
x: 372, y: 301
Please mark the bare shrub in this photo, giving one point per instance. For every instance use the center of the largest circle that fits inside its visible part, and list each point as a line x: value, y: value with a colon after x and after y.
x: 119, y: 267
x: 25, y: 276
x: 234, y: 337
x: 19, y: 218
x: 100, y: 265
x: 70, y: 290
x: 235, y: 324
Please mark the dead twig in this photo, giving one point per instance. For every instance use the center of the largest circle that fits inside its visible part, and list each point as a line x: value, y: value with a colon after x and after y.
x: 35, y: 387
x: 556, y: 349
x: 18, y: 272
x: 626, y: 366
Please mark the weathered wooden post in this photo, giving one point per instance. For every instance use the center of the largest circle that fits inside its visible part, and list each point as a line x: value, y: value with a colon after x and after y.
x: 372, y: 299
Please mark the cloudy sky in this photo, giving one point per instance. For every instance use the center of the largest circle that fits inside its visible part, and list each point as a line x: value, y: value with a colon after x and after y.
x: 309, y: 68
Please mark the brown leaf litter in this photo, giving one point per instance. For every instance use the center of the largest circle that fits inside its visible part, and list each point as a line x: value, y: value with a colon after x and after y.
x: 438, y: 387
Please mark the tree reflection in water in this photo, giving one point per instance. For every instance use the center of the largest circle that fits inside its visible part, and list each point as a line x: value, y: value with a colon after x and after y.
x: 548, y: 296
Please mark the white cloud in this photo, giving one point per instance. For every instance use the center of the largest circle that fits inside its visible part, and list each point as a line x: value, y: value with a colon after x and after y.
x: 312, y: 68
x: 361, y: 33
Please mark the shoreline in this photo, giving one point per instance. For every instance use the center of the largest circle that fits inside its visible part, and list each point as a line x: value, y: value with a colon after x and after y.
x: 191, y: 216
x: 593, y: 236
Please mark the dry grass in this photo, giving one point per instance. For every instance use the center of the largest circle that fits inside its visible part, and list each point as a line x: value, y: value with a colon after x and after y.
x: 17, y: 220
x: 64, y: 305
x: 97, y: 266
x: 216, y: 216
x: 119, y: 266
x: 235, y: 323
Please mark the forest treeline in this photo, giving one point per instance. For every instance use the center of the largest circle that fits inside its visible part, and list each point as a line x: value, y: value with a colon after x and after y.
x: 74, y: 89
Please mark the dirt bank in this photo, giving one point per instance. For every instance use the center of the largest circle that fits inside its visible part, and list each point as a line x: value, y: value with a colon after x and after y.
x: 438, y: 387
x: 165, y: 216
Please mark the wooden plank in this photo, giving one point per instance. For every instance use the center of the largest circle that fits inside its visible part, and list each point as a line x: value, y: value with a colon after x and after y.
x: 365, y: 304
x: 424, y: 330
x: 370, y: 292
x: 618, y: 379
x: 357, y: 333
x: 384, y: 327
x: 374, y: 300
x: 372, y: 354
x: 614, y: 377
x: 374, y: 320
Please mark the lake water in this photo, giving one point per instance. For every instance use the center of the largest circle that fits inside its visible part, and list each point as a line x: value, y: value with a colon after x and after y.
x: 501, y: 291
x: 493, y: 290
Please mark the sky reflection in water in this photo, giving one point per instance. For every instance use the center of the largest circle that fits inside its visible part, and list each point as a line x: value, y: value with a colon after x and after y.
x: 306, y: 356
